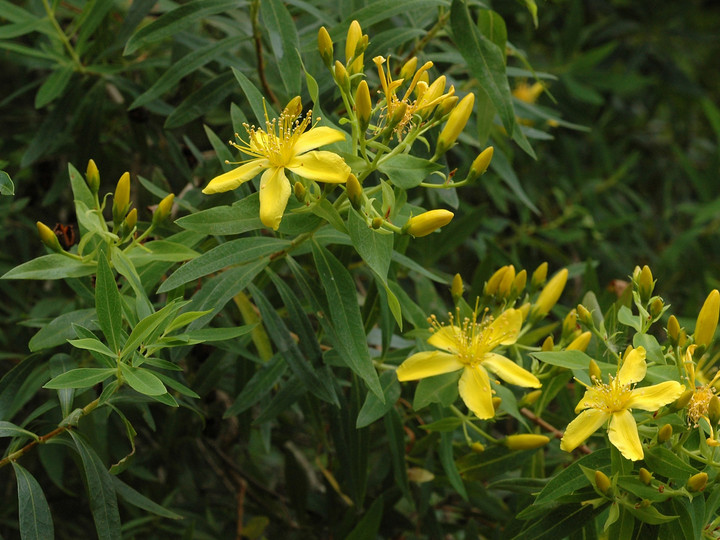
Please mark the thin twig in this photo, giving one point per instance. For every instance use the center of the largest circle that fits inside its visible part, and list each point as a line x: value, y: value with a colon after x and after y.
x: 527, y: 413
x: 257, y: 38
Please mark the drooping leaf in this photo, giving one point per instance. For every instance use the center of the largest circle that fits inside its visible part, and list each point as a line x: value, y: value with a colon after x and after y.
x: 35, y: 519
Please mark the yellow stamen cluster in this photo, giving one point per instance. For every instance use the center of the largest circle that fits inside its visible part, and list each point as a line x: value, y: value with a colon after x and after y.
x: 426, y: 97
x: 276, y: 141
x: 698, y: 406
x: 609, y: 397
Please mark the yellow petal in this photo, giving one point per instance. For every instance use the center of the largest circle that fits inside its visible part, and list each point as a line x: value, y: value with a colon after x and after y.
x: 320, y: 166
x: 233, y: 179
x: 634, y: 367
x: 624, y: 436
x: 474, y: 387
x: 509, y: 371
x: 591, y: 400
x: 446, y: 338
x: 577, y: 431
x: 502, y: 331
x: 317, y: 137
x: 274, y: 194
x: 651, y: 398
x: 427, y: 364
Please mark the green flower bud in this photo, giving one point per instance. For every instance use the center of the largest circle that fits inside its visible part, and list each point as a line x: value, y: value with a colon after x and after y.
x: 480, y: 165
x: 130, y: 220
x: 363, y: 105
x: 664, y: 433
x: 519, y: 282
x: 354, y: 191
x: 602, y: 482
x: 456, y: 289
x: 341, y: 77
x: 673, y: 330
x: 325, y: 46
x: 698, y: 481
x: 92, y: 176
x: 506, y: 282
x: 48, y: 237
x: 682, y: 401
x: 656, y: 307
x: 539, y: 276
x: 645, y: 284
x: 299, y: 191
x: 477, y: 447
x: 163, y: 209
x: 585, y: 316
x: 377, y: 222
x: 645, y: 476
x: 121, y: 200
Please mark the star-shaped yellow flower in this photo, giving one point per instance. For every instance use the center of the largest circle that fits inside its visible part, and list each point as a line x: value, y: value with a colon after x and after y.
x: 470, y: 348
x: 613, y: 401
x: 285, y: 143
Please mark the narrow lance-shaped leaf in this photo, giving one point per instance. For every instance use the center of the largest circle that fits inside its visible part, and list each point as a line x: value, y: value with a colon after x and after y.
x: 108, y: 304
x: 35, y: 518
x: 345, y: 315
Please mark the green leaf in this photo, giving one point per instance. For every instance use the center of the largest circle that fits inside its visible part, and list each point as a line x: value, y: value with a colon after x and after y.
x: 6, y: 184
x: 345, y: 316
x: 130, y: 496
x: 147, y: 326
x: 53, y: 86
x: 447, y: 459
x: 219, y: 290
x: 59, y: 364
x: 368, y: 527
x: 101, y: 491
x: 286, y: 346
x: 143, y: 381
x: 650, y: 515
x: 626, y: 317
x: 91, y: 344
x: 396, y: 442
x: 53, y: 266
x: 161, y: 250
x: 502, y: 167
x: 260, y: 108
x: 485, y: 60
x: 374, y: 409
x: 285, y: 398
x: 492, y: 26
x: 201, y: 100
x: 20, y: 384
x: 572, y: 478
x: 560, y: 522
x: 259, y: 385
x: 284, y: 43
x: 176, y: 20
x: 176, y: 385
x: 184, y: 66
x: 664, y: 462
x: 108, y: 304
x: 450, y: 423
x: 34, y: 513
x: 374, y: 247
x: 406, y: 171
x: 80, y: 378
x: 60, y: 329
x: 234, y: 252
x: 441, y: 389
x: 125, y: 268
x: 8, y: 429
x: 241, y: 217
x: 80, y: 189
x: 219, y: 334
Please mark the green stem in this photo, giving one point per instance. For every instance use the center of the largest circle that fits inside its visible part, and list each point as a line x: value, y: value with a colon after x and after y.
x: 63, y: 38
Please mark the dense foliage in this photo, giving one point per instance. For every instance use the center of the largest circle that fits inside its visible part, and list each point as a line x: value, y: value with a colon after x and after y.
x: 203, y: 340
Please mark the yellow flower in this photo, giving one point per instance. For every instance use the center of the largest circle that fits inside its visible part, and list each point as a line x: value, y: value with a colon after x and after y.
x: 470, y: 348
x: 285, y: 143
x: 613, y: 401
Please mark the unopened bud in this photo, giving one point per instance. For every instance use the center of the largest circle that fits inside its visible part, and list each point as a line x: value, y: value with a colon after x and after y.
x: 645, y: 476
x: 519, y: 282
x: 477, y: 447
x: 524, y: 310
x: 457, y: 289
x: 48, y: 237
x: 377, y: 222
x: 681, y: 402
x: 363, y: 105
x: 480, y: 165
x: 130, y: 220
x: 595, y: 373
x: 548, y: 344
x: 506, y: 282
x: 531, y: 397
x: 602, y: 482
x: 455, y: 124
x: 408, y: 69
x: 580, y: 343
x: 446, y: 106
x: 293, y: 108
x: 569, y: 323
x: 496, y: 401
x: 664, y: 433
x: 354, y: 191
x: 163, y: 209
x: 645, y: 284
x: 299, y: 191
x: 354, y: 34
x: 539, y: 276
x: 341, y: 76
x: 121, y: 200
x: 428, y: 222
x: 325, y: 46
x: 698, y: 481
x: 585, y: 316
x: 525, y: 441
x: 92, y: 177
x: 714, y: 410
x: 550, y: 294
x: 707, y: 320
x: 492, y: 285
x: 656, y: 307
x: 673, y: 330
x: 419, y: 475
